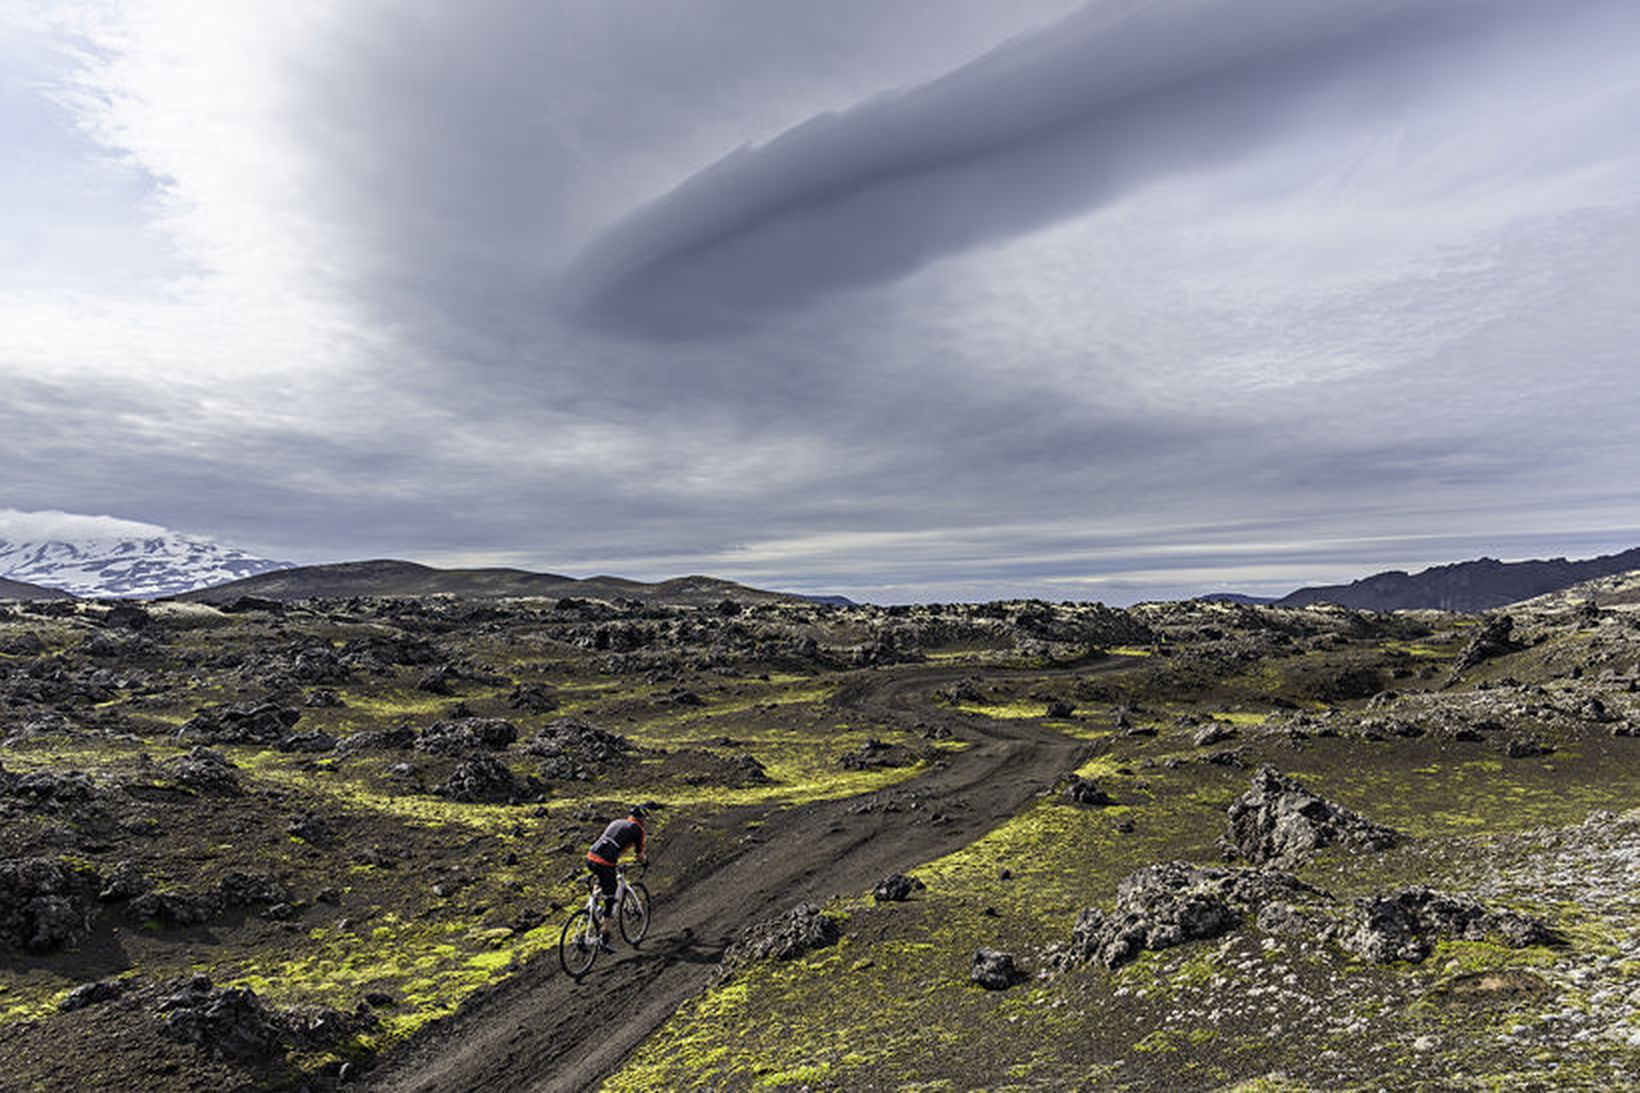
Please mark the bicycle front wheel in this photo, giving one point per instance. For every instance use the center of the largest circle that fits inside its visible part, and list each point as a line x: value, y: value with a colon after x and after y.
x: 634, y: 913
x: 578, y: 944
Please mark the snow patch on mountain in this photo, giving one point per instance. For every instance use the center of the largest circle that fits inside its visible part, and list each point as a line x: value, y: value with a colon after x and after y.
x: 106, y: 557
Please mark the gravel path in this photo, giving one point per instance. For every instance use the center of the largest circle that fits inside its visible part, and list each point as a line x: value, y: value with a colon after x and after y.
x: 542, y: 1031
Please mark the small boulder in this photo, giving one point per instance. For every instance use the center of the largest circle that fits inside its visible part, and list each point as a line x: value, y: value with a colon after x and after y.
x: 896, y: 888
x: 1214, y: 732
x: 93, y: 994
x: 1083, y: 791
x: 995, y: 971
x: 206, y: 771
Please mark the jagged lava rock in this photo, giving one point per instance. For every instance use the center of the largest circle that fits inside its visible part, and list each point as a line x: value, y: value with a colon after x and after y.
x: 896, y: 888
x: 785, y: 937
x: 1278, y: 821
x: 995, y: 971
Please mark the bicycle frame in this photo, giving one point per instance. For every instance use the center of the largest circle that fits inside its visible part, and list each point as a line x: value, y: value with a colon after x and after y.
x: 595, y: 897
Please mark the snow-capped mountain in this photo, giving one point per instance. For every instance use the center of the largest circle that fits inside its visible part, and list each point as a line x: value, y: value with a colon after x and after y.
x: 154, y: 563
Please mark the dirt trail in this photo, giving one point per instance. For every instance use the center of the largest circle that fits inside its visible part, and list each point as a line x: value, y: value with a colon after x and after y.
x: 543, y: 1031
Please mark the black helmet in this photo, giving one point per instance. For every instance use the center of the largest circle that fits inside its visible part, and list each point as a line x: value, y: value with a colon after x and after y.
x: 637, y: 811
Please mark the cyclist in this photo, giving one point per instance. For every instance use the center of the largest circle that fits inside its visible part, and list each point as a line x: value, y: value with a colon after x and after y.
x: 605, y: 852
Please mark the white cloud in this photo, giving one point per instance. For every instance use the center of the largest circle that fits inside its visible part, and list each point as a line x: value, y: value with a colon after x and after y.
x: 36, y: 527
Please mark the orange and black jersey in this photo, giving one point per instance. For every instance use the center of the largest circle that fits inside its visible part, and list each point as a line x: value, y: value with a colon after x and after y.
x: 608, y: 847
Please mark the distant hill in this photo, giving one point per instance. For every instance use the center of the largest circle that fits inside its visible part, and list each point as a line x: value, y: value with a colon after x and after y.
x: 21, y: 590
x: 1464, y: 586
x: 395, y: 578
x: 1621, y: 590
x: 1237, y: 597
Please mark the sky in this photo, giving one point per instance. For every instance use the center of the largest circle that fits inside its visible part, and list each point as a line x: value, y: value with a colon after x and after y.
x: 897, y: 299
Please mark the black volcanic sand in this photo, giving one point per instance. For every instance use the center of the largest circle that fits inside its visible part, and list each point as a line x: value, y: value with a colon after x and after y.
x: 372, y: 867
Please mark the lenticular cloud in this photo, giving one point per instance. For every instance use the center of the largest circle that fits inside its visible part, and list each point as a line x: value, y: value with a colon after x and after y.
x: 1046, y: 126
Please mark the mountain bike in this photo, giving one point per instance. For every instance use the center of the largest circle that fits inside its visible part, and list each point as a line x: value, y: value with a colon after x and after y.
x: 578, y: 943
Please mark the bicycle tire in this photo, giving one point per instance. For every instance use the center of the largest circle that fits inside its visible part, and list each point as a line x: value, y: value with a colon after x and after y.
x: 634, y: 913
x: 578, y: 944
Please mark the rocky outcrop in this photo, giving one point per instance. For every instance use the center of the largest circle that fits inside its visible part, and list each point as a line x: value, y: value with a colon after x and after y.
x: 45, y: 791
x: 785, y: 937
x: 484, y: 779
x: 1279, y: 822
x: 1404, y: 925
x: 571, y: 748
x: 1493, y: 639
x: 1160, y: 906
x: 44, y: 902
x: 874, y: 754
x: 467, y: 735
x: 234, y: 1024
x: 1085, y: 792
x: 242, y: 723
x: 206, y: 771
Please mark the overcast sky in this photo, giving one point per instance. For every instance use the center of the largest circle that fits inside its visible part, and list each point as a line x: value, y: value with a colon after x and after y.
x: 899, y: 299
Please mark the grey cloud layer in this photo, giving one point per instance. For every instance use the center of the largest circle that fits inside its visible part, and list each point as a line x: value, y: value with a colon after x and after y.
x: 1046, y: 126
x: 1008, y: 295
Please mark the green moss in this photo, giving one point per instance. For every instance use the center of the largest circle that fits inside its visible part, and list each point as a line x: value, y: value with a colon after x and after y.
x: 1003, y: 711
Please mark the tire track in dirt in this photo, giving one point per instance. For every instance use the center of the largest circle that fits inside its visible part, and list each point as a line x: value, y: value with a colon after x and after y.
x: 541, y: 1030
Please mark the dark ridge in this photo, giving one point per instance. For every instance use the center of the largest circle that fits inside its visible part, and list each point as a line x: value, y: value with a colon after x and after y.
x: 1479, y: 585
x: 1238, y: 597
x: 21, y: 590
x: 387, y: 577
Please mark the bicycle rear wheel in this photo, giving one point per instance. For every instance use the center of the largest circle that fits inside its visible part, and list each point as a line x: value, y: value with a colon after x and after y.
x: 634, y: 914
x: 578, y: 944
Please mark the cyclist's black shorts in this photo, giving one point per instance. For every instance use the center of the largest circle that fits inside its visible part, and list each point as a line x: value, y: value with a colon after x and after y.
x: 606, y: 879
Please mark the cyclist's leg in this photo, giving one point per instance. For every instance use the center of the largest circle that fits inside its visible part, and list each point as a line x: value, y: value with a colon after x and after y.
x: 606, y: 885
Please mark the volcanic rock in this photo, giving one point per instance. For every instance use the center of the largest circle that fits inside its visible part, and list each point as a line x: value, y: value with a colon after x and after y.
x: 46, y: 790
x: 93, y: 994
x: 43, y: 902
x: 484, y: 779
x: 125, y: 881
x: 244, y: 723
x: 225, y: 1023
x: 1083, y: 791
x: 1404, y: 924
x: 398, y: 738
x: 785, y: 937
x: 207, y: 771
x: 464, y: 736
x: 874, y: 754
x: 1160, y: 906
x: 1280, y: 822
x: 532, y: 698
x: 1491, y: 640
x: 995, y: 971
x: 896, y: 888
x: 572, y: 748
